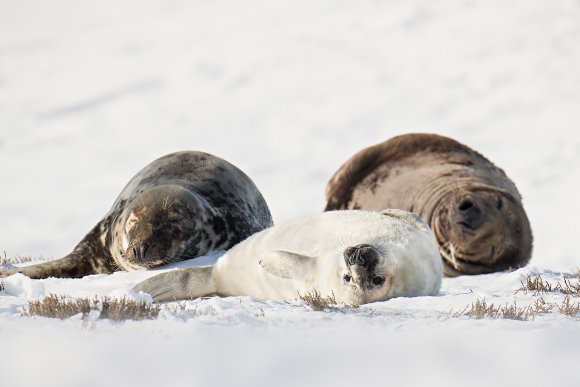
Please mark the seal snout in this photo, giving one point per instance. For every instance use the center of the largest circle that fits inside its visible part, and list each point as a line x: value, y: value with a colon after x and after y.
x: 140, y: 251
x: 469, y: 215
x: 361, y: 255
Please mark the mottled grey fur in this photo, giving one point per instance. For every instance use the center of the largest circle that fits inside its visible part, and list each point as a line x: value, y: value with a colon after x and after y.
x: 180, y: 206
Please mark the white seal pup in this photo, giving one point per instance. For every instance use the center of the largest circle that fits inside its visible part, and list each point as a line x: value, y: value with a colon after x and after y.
x: 356, y: 256
x: 178, y: 207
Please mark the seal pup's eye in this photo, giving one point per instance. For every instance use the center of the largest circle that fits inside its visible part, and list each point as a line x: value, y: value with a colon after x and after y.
x: 377, y: 281
x: 346, y: 278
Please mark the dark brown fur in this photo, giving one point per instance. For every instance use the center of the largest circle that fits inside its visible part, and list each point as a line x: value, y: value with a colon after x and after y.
x: 433, y: 176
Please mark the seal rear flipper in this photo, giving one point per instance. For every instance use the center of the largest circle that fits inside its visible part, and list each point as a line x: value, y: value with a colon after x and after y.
x: 179, y: 284
x: 71, y: 266
x: 289, y: 265
x: 88, y: 257
x: 411, y: 218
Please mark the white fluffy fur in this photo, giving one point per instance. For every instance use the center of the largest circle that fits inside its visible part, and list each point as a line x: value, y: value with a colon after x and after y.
x: 307, y: 254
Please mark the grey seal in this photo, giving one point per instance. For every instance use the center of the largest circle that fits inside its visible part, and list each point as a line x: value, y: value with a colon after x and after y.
x: 471, y: 205
x: 178, y: 207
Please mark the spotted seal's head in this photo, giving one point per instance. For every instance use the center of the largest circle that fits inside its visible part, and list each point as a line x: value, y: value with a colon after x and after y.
x: 159, y: 226
x: 481, y: 231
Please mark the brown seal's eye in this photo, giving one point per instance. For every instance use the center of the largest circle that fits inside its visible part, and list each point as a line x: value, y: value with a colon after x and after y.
x: 346, y: 278
x: 378, y: 281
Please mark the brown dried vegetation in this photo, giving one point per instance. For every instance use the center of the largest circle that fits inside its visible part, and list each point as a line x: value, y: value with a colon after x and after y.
x: 315, y: 301
x: 481, y: 309
x: 61, y: 307
x: 536, y: 285
x: 569, y: 307
x: 570, y: 286
x: 5, y: 261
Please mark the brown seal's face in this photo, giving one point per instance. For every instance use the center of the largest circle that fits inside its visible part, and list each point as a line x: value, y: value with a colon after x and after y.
x: 481, y: 232
x: 160, y: 226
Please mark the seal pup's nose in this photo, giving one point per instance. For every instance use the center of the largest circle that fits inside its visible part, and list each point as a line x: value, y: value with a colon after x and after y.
x: 470, y: 216
x: 360, y: 255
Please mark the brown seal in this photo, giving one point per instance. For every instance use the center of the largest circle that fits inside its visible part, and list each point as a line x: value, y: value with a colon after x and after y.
x: 178, y: 207
x: 473, y: 208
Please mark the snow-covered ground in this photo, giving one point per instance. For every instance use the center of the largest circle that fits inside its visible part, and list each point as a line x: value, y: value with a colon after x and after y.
x: 91, y: 91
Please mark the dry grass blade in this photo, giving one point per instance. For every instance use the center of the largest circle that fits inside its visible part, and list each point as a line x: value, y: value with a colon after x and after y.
x: 478, y: 309
x: 54, y: 306
x: 317, y: 302
x: 570, y: 288
x: 536, y: 285
x: 541, y: 307
x: 125, y: 309
x: 5, y: 261
x: 1, y: 286
x: 481, y: 309
x: 512, y: 312
x: 568, y: 307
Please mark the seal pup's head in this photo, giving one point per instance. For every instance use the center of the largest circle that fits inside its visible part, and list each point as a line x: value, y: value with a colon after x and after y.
x: 160, y: 225
x: 367, y: 275
x: 404, y: 263
x: 481, y: 231
x: 367, y: 257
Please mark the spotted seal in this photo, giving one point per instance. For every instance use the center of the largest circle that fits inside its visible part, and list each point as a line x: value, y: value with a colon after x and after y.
x: 474, y: 209
x: 355, y: 256
x: 180, y: 206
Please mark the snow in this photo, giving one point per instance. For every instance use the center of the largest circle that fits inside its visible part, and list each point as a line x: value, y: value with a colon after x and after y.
x: 90, y: 92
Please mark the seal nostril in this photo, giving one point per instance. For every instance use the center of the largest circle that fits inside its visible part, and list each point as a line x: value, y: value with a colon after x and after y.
x: 143, y: 250
x: 135, y: 252
x: 465, y: 205
x: 356, y: 257
x: 362, y: 255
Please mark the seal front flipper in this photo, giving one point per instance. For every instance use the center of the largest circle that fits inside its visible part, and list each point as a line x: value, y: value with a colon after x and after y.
x: 289, y: 265
x: 179, y: 284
